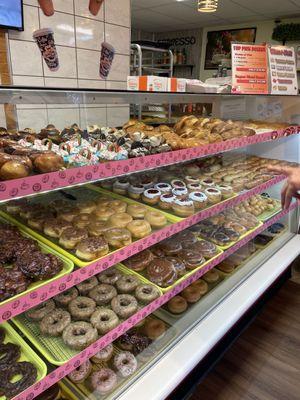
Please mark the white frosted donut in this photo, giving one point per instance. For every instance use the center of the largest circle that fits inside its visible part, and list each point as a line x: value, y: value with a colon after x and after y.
x: 198, y: 196
x: 163, y: 187
x: 180, y: 191
x: 152, y: 193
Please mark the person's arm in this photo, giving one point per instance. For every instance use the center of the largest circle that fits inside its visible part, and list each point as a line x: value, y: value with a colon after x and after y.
x: 292, y: 184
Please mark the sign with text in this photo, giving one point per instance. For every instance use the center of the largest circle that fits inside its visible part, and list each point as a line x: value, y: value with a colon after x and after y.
x: 249, y: 69
x: 283, y: 74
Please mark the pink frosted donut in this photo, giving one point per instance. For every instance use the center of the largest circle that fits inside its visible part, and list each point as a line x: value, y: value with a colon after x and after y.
x: 103, y: 381
x: 80, y: 374
x: 103, y: 355
x: 125, y: 363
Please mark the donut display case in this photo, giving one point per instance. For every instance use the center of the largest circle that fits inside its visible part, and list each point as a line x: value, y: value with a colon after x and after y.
x: 129, y: 253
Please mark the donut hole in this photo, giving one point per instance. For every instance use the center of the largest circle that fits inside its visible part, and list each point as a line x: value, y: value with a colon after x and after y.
x: 82, y: 306
x: 15, y: 378
x: 125, y: 362
x: 124, y: 303
x: 79, y: 332
x: 104, y: 318
x: 147, y: 291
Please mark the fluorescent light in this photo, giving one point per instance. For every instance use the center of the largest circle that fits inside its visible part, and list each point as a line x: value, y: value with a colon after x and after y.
x: 207, y: 6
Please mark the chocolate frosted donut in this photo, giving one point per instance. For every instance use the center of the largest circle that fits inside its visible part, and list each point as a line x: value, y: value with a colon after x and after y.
x: 85, y: 287
x: 27, y: 373
x: 104, y: 354
x: 12, y: 282
x: 127, y: 284
x: 139, y: 261
x: 170, y: 246
x: 9, y: 354
x: 125, y: 363
x: 124, y: 305
x: 55, y: 322
x: 64, y: 298
x: 40, y: 311
x: 110, y: 276
x: 103, y: 294
x: 191, y: 258
x: 208, y: 249
x: 82, y: 308
x: 2, y: 335
x: 81, y: 373
x: 104, y: 320
x: 79, y: 335
x: 186, y: 238
x: 161, y: 272
x: 103, y: 381
x: 39, y: 266
x: 178, y: 265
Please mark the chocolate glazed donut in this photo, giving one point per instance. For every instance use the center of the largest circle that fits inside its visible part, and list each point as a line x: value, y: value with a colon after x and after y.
x: 28, y: 374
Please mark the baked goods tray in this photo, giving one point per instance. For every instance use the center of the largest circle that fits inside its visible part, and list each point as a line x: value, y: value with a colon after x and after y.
x: 171, y: 217
x: 80, y: 194
x: 269, y: 214
x: 53, y: 348
x: 68, y: 265
x: 183, y: 278
x: 142, y: 359
x: 27, y: 354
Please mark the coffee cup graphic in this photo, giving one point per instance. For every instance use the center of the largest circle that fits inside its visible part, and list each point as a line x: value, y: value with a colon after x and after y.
x: 106, y: 59
x: 45, y: 41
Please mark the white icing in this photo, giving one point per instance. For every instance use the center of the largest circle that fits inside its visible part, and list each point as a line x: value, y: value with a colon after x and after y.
x: 174, y: 183
x: 212, y: 192
x: 181, y: 202
x: 207, y: 182
x: 166, y: 187
x: 152, y: 195
x: 198, y: 196
x: 166, y: 199
x: 194, y: 186
x: 180, y: 191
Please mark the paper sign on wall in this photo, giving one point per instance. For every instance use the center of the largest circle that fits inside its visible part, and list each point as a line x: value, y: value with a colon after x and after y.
x: 249, y: 69
x: 283, y: 74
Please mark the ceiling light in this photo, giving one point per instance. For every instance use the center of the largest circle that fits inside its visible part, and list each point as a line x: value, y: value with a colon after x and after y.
x: 207, y: 6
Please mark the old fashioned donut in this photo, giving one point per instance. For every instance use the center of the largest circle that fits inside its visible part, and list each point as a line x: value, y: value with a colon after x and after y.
x: 103, y: 381
x: 120, y: 220
x: 177, y: 305
x: 79, y: 335
x: 127, y: 284
x: 154, y: 328
x: 81, y: 373
x: 125, y: 363
x: 38, y: 312
x: 54, y: 323
x: 110, y: 276
x: 82, y: 308
x: 191, y: 294
x: 64, y: 298
x: 85, y: 287
x: 146, y: 293
x: 156, y: 219
x: 104, y: 354
x: 103, y: 294
x: 118, y: 237
x: 104, y: 320
x: 139, y: 228
x: 139, y: 261
x: 124, y: 305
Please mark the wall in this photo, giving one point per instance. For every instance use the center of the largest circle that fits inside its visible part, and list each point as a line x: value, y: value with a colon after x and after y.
x: 263, y: 34
x: 78, y: 36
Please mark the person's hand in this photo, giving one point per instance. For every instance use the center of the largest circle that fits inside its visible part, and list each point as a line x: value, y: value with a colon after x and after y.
x: 291, y: 186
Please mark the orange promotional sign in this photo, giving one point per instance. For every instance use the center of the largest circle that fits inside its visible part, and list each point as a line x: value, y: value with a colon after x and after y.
x: 249, y: 69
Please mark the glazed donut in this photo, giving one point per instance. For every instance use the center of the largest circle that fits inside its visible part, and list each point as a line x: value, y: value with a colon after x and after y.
x: 103, y: 213
x: 154, y: 328
x: 146, y: 293
x: 81, y: 221
x: 79, y: 335
x: 81, y: 373
x: 207, y: 249
x: 27, y: 373
x: 124, y: 305
x: 85, y: 287
x: 68, y: 213
x: 127, y: 284
x: 156, y: 219
x: 54, y: 227
x: 98, y: 228
x: 103, y: 294
x: 170, y: 247
x: 104, y: 355
x: 86, y: 207
x: 191, y: 294
x: 161, y: 272
x: 38, y: 312
x: 104, y: 320
x: 211, y: 276
x: 125, y: 363
x: 137, y: 211
x: 120, y: 220
x: 118, y: 206
x: 54, y: 323
x: 118, y: 237
x: 186, y: 238
x: 178, y: 264
x: 82, y: 308
x: 110, y: 276
x: 92, y: 248
x: 177, y: 305
x: 201, y: 285
x: 71, y: 237
x: 191, y: 258
x: 139, y: 261
x: 64, y: 298
x: 103, y: 201
x: 139, y: 228
x: 103, y: 381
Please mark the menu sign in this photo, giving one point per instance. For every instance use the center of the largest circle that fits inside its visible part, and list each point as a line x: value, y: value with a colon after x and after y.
x: 249, y: 69
x: 283, y: 74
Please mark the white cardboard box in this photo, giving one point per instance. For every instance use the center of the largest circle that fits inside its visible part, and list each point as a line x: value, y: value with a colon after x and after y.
x: 176, y: 85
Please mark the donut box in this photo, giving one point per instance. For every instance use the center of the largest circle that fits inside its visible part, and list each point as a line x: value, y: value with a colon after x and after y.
x: 53, y: 348
x: 27, y: 354
x: 67, y: 268
x: 74, y: 195
x: 143, y: 359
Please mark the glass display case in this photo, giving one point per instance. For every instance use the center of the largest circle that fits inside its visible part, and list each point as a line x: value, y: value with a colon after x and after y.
x: 128, y: 252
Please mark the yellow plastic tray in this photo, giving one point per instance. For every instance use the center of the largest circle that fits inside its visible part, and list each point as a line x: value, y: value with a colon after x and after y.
x: 87, y: 193
x: 69, y: 391
x: 269, y: 214
x: 53, y: 348
x: 67, y: 265
x: 171, y: 217
x: 183, y: 278
x: 27, y: 354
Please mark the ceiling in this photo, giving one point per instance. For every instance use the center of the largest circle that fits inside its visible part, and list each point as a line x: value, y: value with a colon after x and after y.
x: 175, y: 15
